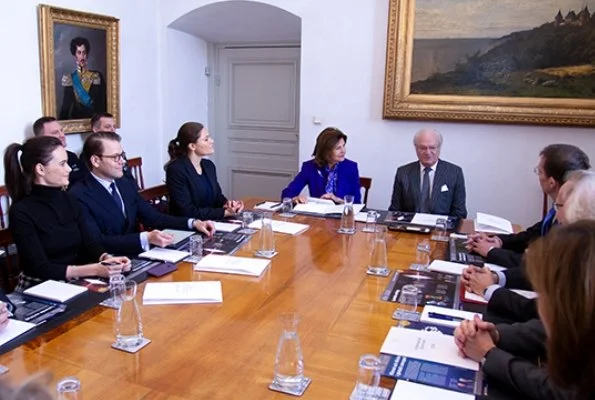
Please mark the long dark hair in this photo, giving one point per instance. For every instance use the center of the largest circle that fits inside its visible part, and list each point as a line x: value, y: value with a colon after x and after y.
x: 188, y: 133
x: 19, y: 173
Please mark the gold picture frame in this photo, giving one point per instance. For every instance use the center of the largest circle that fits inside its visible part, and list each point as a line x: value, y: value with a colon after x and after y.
x: 79, y: 55
x: 401, y: 103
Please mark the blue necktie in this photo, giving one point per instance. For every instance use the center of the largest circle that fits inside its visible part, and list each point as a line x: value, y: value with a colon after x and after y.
x: 116, y: 196
x: 547, y: 221
x: 424, y: 204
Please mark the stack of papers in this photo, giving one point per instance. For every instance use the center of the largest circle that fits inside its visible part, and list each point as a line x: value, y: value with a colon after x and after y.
x: 160, y: 254
x: 269, y: 206
x: 13, y: 329
x: 457, y: 268
x: 410, y: 390
x: 492, y: 224
x: 445, y: 316
x: 182, y: 292
x: 475, y: 298
x: 56, y: 291
x: 427, y: 219
x: 178, y: 235
x: 324, y: 206
x: 290, y: 228
x: 225, y: 226
x: 232, y: 265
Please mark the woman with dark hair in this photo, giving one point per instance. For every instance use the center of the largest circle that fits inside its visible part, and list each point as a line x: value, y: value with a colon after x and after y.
x: 329, y: 175
x: 561, y: 268
x: 46, y: 222
x: 192, y: 179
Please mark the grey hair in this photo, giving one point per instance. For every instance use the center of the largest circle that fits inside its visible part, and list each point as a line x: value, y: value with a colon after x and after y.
x: 434, y: 132
x: 580, y: 203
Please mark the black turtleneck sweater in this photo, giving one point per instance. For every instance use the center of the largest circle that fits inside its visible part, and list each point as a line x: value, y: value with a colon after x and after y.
x: 48, y: 229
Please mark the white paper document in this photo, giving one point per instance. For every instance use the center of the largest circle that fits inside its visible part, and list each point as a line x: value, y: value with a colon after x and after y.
x: 449, y: 267
x: 226, y: 226
x: 480, y: 299
x: 178, y: 235
x: 290, y: 228
x: 13, y: 329
x: 411, y: 390
x: 324, y: 206
x: 492, y: 224
x: 160, y: 254
x: 445, y: 316
x: 269, y: 206
x: 427, y: 346
x: 182, y: 292
x: 54, y: 290
x: 232, y: 265
x: 427, y: 219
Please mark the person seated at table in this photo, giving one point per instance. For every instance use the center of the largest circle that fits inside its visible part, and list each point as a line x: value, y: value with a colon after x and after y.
x: 112, y: 206
x: 574, y: 203
x: 46, y: 222
x: 555, y: 162
x: 192, y: 179
x: 561, y: 267
x: 430, y: 184
x: 329, y: 175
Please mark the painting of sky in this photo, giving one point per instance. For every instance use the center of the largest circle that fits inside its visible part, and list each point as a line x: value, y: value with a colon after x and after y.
x: 475, y: 19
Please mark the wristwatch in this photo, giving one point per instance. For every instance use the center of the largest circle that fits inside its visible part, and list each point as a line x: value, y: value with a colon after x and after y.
x: 483, y: 359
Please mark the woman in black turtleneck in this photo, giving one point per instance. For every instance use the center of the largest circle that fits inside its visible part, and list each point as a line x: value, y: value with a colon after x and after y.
x: 46, y: 222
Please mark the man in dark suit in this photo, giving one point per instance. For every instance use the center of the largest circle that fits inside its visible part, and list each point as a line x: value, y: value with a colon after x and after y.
x: 429, y: 185
x: 49, y: 126
x: 113, y: 206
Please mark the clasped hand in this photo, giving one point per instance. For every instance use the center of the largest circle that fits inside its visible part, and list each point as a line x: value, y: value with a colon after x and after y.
x: 113, y: 265
x: 475, y: 338
x: 478, y: 279
x: 481, y: 243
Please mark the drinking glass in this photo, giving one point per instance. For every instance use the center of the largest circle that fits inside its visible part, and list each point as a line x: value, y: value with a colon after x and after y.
x: 348, y: 216
x: 266, y: 246
x: 378, y: 257
x: 196, y: 249
x: 128, y: 324
x: 286, y: 208
x: 408, y: 300
x: 68, y: 388
x: 247, y: 219
x: 368, y: 378
x: 371, y: 218
x: 289, y: 360
x: 423, y: 252
x: 440, y: 230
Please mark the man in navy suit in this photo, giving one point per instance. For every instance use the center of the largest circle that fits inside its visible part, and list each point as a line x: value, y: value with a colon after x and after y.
x: 113, y: 206
x: 429, y: 185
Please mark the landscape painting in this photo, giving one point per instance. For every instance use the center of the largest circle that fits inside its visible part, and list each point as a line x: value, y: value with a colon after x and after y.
x: 498, y: 61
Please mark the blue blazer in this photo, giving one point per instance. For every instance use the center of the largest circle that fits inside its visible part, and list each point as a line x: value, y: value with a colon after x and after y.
x: 311, y: 175
x: 118, y: 233
x: 188, y: 196
x: 406, y: 190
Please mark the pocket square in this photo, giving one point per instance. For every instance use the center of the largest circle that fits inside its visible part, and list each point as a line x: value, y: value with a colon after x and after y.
x: 444, y: 188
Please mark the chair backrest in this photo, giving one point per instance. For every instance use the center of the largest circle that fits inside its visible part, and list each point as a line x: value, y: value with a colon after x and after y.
x: 365, y: 183
x: 4, y: 206
x: 9, y: 262
x: 158, y: 196
x: 136, y: 167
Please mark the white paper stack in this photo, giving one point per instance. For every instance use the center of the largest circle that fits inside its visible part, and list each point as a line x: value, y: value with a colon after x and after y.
x: 324, y: 206
x: 269, y: 206
x: 290, y: 228
x: 225, y: 226
x: 178, y: 235
x: 480, y: 299
x: 411, y: 390
x: 182, y: 292
x: 160, y: 254
x: 445, y: 316
x: 427, y: 219
x: 56, y: 291
x: 457, y: 268
x: 492, y: 224
x: 13, y: 329
x: 427, y: 346
x: 232, y: 265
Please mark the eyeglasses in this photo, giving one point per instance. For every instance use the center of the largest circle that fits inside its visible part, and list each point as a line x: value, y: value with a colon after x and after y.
x: 427, y: 148
x: 557, y: 206
x: 115, y: 157
x: 537, y: 170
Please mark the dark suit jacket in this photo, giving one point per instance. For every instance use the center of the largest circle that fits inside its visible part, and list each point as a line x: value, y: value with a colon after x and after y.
x: 311, y: 175
x: 79, y: 169
x: 118, y: 233
x: 511, y: 306
x: 518, y: 242
x: 188, y: 196
x: 406, y: 190
x: 505, y: 365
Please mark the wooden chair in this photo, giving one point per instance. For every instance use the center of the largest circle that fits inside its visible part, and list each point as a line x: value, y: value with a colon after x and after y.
x: 365, y: 183
x: 4, y: 206
x: 136, y: 168
x: 158, y: 196
x: 9, y: 261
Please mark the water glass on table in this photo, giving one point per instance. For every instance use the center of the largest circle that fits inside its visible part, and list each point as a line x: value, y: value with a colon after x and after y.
x: 69, y: 388
x: 368, y: 379
x: 423, y: 253
x: 247, y: 219
x: 266, y: 247
x: 348, y: 216
x: 440, y: 230
x: 378, y: 264
x: 371, y: 218
x: 407, y: 305
x: 286, y: 208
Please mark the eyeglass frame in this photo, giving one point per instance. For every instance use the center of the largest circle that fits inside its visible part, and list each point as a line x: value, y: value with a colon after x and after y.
x: 114, y: 157
x: 557, y: 206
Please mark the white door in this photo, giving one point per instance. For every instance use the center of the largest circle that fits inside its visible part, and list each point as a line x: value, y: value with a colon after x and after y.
x: 257, y: 119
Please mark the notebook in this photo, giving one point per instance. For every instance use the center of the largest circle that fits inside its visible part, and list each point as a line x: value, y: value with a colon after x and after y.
x: 54, y: 290
x: 179, y: 236
x: 411, y: 390
x: 492, y: 224
x: 226, y: 226
x: 457, y: 268
x: 160, y: 254
x: 182, y: 292
x: 232, y: 265
x: 290, y: 228
x: 14, y: 329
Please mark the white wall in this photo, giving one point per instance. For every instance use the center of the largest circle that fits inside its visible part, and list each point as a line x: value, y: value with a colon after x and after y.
x: 139, y: 58
x: 343, y: 63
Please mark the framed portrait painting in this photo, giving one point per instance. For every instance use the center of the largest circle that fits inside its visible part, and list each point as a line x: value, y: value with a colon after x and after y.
x: 521, y: 62
x: 79, y: 66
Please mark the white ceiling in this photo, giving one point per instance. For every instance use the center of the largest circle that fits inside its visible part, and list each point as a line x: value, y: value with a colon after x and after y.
x: 241, y: 22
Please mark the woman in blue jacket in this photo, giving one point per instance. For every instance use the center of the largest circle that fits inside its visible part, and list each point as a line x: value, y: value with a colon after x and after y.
x: 329, y: 175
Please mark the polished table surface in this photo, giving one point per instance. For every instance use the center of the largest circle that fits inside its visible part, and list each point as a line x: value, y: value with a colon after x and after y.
x: 227, y: 350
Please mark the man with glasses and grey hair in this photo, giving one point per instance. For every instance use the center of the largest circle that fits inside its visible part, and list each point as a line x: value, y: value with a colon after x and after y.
x: 429, y: 185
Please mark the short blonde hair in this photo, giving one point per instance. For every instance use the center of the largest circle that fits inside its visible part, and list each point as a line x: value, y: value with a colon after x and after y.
x: 580, y: 204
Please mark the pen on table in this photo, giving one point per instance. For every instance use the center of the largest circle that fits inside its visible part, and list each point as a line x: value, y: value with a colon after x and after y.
x: 276, y: 205
x: 259, y: 204
x: 445, y: 317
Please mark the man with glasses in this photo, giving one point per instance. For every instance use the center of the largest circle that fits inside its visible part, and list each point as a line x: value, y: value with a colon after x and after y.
x: 429, y: 185
x: 49, y: 126
x: 113, y: 207
x: 555, y: 162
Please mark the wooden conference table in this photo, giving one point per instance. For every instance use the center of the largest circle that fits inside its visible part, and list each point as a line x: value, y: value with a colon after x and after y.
x: 227, y: 350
